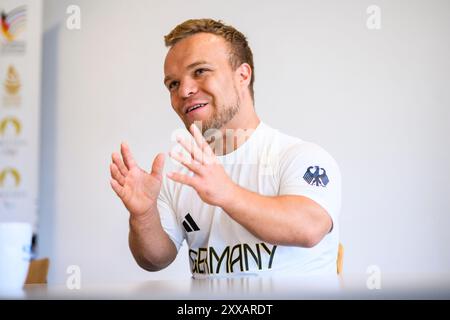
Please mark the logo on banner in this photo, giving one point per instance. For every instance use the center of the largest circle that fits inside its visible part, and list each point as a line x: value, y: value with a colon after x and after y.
x: 11, y: 140
x: 12, y: 123
x: 12, y: 81
x: 12, y: 86
x: 9, y: 176
x: 12, y: 189
x: 13, y: 25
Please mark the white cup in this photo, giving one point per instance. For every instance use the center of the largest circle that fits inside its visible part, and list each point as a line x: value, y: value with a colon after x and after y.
x: 15, y: 253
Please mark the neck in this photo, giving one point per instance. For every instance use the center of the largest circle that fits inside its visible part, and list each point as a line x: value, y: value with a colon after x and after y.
x: 237, y: 131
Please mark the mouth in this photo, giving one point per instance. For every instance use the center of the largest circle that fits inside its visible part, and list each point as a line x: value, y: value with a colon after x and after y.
x: 195, y: 107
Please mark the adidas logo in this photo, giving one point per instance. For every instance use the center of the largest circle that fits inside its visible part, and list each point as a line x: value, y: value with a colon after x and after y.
x: 189, y: 224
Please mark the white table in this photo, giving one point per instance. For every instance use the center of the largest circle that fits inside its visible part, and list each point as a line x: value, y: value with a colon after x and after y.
x: 252, y: 288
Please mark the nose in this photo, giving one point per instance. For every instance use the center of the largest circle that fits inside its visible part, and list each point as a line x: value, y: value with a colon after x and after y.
x: 187, y: 88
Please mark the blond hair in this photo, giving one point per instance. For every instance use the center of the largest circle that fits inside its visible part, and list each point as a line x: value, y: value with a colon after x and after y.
x: 240, y: 51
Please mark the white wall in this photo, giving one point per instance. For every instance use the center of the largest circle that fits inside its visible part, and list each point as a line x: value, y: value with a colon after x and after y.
x: 377, y: 100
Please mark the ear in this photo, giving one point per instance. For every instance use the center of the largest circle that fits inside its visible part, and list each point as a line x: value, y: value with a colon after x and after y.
x: 244, y: 74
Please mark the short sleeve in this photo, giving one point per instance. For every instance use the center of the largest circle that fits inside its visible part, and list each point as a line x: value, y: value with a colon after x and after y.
x: 308, y: 170
x: 168, y: 216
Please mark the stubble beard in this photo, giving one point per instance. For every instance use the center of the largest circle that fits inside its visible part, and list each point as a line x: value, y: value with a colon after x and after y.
x: 220, y: 116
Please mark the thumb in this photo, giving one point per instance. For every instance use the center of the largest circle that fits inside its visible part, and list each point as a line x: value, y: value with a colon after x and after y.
x: 158, y: 166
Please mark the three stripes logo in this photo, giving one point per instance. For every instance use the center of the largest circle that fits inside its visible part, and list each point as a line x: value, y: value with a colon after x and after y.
x: 189, y: 224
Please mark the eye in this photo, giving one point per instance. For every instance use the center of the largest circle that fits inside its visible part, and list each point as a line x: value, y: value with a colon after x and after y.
x: 200, y: 71
x: 172, y: 85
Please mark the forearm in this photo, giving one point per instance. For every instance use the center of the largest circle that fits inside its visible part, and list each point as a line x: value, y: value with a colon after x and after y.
x: 283, y: 220
x: 150, y: 245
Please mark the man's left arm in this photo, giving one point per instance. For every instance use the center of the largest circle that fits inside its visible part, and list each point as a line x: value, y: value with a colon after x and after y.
x: 281, y: 220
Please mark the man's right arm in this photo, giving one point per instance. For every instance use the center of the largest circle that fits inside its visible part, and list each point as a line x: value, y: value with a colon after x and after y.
x: 150, y: 245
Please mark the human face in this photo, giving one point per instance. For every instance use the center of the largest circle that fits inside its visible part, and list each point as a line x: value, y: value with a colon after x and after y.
x: 198, y: 73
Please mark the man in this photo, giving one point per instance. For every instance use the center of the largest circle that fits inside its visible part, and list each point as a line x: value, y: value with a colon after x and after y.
x: 246, y: 198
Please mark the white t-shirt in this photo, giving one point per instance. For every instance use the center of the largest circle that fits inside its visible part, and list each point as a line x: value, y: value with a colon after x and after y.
x: 269, y: 163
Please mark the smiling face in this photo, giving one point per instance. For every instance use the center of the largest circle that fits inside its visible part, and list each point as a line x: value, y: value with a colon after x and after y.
x: 202, y: 84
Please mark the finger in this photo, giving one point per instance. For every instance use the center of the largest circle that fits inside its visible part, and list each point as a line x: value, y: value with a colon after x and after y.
x: 200, y: 140
x: 118, y: 189
x: 117, y: 160
x: 158, y: 166
x: 192, y: 148
x: 180, y: 156
x: 116, y: 175
x: 127, y: 156
x: 182, y: 178
x: 192, y: 165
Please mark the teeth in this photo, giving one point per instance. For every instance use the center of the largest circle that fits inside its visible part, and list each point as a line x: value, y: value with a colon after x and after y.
x: 196, y: 106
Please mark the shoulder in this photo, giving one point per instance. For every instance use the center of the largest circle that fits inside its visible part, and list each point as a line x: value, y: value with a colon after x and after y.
x: 290, y: 147
x: 296, y: 154
x: 307, y: 155
x: 307, y: 150
x: 276, y: 141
